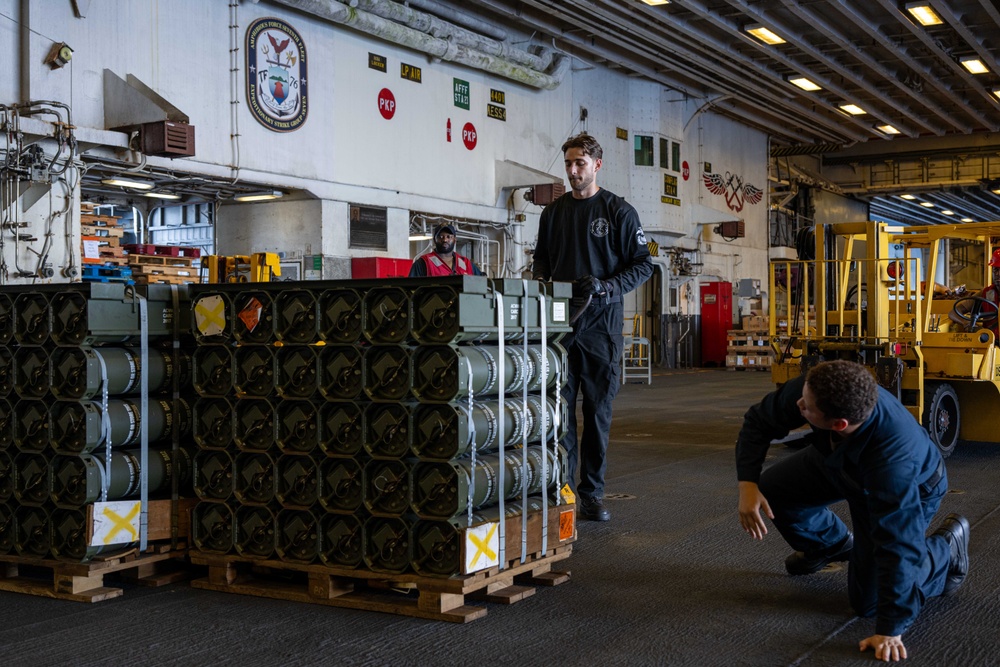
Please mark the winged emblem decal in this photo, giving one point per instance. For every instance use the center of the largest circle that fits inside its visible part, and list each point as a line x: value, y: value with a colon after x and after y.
x: 737, y: 193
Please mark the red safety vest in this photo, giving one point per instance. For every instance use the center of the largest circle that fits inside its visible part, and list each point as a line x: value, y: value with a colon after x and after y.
x: 437, y: 267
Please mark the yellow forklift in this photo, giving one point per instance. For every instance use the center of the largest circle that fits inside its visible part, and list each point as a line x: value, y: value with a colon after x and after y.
x: 903, y: 301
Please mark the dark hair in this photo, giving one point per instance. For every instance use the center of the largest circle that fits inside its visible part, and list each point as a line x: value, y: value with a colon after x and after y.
x: 586, y: 143
x: 843, y: 390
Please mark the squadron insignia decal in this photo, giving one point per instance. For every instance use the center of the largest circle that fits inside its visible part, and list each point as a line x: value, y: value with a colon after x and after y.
x: 732, y: 186
x: 276, y: 75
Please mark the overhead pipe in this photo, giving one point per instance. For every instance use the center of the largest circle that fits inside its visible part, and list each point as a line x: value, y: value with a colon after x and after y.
x: 445, y: 30
x: 460, y: 18
x: 444, y: 49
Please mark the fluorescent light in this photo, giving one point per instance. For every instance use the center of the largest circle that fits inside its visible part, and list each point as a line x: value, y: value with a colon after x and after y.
x: 927, y: 204
x: 260, y: 196
x: 974, y: 65
x: 996, y: 191
x: 907, y: 196
x: 966, y: 219
x: 947, y: 212
x: 886, y: 129
x: 654, y: 3
x: 804, y: 83
x: 763, y: 34
x: 420, y: 237
x: 996, y: 91
x: 853, y: 109
x: 128, y: 183
x: 923, y: 13
x: 161, y: 195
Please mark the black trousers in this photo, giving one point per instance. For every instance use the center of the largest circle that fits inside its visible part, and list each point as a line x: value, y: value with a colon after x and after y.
x: 594, y: 371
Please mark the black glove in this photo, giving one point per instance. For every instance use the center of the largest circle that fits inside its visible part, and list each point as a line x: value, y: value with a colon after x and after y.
x: 589, y: 285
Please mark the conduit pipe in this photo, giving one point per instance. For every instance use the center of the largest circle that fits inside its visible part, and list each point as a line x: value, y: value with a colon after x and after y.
x: 460, y: 18
x: 445, y: 49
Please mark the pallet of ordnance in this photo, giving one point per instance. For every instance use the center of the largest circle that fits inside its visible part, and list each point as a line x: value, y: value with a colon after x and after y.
x: 748, y: 350
x: 73, y: 423
x: 353, y: 464
x: 432, y: 546
x: 70, y: 534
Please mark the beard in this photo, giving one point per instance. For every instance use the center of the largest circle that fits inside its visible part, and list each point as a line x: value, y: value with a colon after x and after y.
x: 443, y: 248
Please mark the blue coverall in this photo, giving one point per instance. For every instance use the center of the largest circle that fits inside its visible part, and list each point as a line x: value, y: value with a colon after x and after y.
x: 892, y: 477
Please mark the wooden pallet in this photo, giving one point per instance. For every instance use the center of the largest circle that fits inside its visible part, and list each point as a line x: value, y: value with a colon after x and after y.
x: 168, y: 250
x: 84, y: 582
x: 88, y: 218
x: 438, y: 599
x: 141, y: 279
x: 102, y: 231
x: 148, y: 270
x: 160, y: 260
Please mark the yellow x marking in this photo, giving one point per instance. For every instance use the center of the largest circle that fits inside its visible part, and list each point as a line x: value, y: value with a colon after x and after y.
x: 483, y: 546
x: 211, y: 312
x: 121, y: 523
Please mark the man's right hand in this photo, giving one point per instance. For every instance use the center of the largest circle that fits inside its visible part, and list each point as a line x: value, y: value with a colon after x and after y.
x: 752, y: 501
x: 589, y: 285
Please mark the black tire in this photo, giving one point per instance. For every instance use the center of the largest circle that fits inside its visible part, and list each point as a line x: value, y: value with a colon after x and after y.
x: 942, y: 416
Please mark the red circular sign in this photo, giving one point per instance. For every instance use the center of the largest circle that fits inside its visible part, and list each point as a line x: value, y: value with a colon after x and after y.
x: 685, y: 170
x: 386, y: 103
x: 469, y: 136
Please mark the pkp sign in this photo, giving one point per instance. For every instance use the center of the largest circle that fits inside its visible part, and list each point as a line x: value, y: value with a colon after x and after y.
x: 386, y: 103
x: 685, y: 170
x: 469, y: 136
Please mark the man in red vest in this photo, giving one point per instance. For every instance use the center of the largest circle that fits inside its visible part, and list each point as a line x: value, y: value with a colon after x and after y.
x: 444, y: 261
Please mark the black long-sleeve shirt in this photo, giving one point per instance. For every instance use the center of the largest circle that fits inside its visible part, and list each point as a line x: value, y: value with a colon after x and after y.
x: 599, y: 236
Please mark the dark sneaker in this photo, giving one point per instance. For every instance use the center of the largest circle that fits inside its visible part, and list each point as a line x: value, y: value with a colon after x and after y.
x: 955, y: 530
x: 593, y: 510
x: 802, y: 563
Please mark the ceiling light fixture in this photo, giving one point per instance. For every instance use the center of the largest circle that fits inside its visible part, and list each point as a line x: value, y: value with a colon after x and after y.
x: 853, y: 109
x: 128, y: 183
x: 420, y: 237
x: 966, y: 219
x: 259, y: 196
x: 763, y: 34
x: 161, y: 195
x: 947, y: 212
x: 907, y: 196
x: 656, y: 3
x: 804, y: 83
x: 974, y: 65
x: 996, y: 91
x: 924, y: 14
x: 886, y: 129
x: 927, y: 204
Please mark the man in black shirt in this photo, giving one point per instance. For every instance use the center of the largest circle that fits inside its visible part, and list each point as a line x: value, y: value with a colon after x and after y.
x: 593, y: 238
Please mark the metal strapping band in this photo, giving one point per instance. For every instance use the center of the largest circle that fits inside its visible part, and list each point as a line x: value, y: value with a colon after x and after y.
x: 105, y: 425
x: 544, y: 374
x: 501, y: 431
x: 472, y: 436
x: 144, y: 422
x: 175, y: 443
x: 524, y: 430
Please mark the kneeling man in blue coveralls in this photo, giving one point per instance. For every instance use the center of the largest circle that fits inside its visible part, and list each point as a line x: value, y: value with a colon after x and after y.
x: 866, y: 449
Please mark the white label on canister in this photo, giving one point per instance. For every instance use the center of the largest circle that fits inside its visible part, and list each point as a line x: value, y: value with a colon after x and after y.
x: 116, y: 522
x: 482, y: 547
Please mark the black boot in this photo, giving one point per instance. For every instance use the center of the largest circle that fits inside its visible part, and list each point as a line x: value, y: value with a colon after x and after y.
x: 593, y: 509
x: 955, y: 530
x: 808, y: 563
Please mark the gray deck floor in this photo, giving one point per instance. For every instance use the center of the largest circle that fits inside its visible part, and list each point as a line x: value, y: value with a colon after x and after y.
x: 671, y: 580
